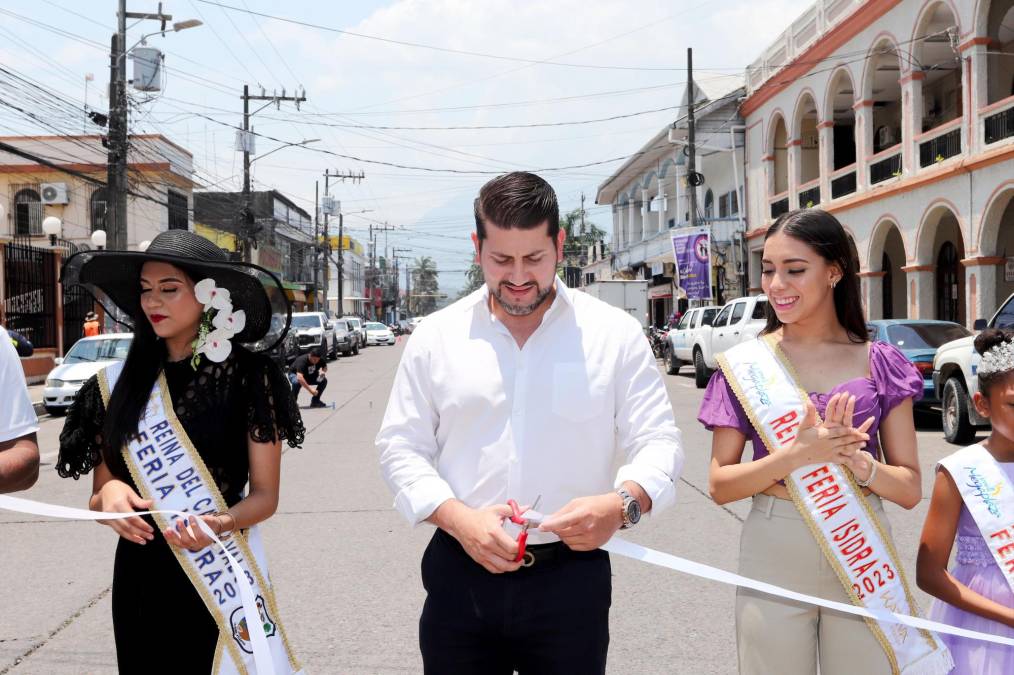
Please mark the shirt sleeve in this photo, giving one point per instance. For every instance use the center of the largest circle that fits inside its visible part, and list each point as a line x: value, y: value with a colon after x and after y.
x: 407, y: 439
x: 81, y: 438
x: 272, y: 414
x: 721, y: 408
x: 895, y: 377
x: 646, y: 428
x: 17, y: 414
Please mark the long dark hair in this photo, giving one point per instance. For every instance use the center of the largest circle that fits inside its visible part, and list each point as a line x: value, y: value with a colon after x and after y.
x: 984, y: 341
x: 824, y: 234
x: 144, y: 362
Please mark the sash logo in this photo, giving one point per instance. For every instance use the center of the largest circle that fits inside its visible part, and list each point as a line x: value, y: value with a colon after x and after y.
x: 983, y: 490
x: 240, y: 630
x: 760, y: 383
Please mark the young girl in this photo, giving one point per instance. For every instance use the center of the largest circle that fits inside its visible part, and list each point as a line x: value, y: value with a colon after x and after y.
x: 816, y: 329
x: 187, y: 421
x: 975, y: 593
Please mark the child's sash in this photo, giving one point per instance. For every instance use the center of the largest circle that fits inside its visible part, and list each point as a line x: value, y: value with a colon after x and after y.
x: 167, y: 469
x: 840, y: 518
x: 989, y: 496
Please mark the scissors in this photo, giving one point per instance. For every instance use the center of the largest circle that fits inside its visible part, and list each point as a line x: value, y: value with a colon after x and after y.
x: 528, y: 559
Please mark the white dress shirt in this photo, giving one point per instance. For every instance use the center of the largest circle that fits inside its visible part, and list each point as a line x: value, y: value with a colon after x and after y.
x: 473, y: 417
x: 17, y: 415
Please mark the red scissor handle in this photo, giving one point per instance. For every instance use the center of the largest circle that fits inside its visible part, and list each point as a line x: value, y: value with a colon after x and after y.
x: 522, y: 540
x: 516, y: 516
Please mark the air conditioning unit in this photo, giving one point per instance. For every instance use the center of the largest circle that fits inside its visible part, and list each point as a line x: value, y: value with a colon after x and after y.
x: 54, y: 193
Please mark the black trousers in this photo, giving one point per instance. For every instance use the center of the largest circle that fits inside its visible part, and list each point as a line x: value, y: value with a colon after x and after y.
x: 320, y: 386
x: 550, y: 618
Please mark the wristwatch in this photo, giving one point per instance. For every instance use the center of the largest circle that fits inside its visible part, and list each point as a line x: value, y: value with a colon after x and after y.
x: 631, y: 509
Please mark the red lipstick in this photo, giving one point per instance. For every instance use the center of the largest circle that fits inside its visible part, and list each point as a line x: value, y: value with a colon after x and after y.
x: 155, y: 318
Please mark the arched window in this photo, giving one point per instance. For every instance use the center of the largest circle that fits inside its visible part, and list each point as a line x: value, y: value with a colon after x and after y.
x: 947, y: 283
x: 97, y: 210
x: 27, y: 212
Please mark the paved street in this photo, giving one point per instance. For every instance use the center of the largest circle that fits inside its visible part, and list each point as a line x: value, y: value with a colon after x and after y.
x: 346, y: 565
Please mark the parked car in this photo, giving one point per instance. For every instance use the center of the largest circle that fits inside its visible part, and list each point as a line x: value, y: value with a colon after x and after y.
x: 739, y: 320
x: 415, y: 321
x: 345, y: 338
x: 918, y: 340
x: 313, y: 330
x: 286, y: 351
x: 681, y: 337
x: 357, y: 327
x: 954, y: 377
x: 88, y: 356
x: 405, y: 326
x: 379, y: 334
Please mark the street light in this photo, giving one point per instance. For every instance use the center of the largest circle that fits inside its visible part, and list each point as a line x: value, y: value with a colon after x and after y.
x: 52, y: 226
x: 99, y: 239
x: 287, y: 145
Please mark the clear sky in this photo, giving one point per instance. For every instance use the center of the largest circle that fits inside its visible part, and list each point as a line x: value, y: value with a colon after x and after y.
x: 621, y: 58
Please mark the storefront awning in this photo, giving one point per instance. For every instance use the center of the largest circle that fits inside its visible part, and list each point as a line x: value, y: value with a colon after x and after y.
x: 294, y: 295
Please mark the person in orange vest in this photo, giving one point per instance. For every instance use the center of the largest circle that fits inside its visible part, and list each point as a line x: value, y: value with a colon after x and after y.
x: 91, y: 324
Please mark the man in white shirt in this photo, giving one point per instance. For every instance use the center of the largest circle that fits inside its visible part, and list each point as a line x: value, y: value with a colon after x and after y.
x: 523, y: 390
x: 19, y: 449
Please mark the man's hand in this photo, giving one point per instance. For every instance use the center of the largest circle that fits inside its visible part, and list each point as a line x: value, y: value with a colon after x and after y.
x: 586, y: 523
x: 480, y: 532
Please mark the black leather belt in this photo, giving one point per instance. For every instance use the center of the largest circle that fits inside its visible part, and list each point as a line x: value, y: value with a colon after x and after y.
x: 541, y: 554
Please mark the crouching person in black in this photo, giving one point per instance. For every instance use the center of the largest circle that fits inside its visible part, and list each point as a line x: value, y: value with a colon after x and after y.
x: 309, y: 371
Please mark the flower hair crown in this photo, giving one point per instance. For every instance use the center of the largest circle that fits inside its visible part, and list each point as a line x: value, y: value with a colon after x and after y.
x: 219, y: 324
x: 997, y: 359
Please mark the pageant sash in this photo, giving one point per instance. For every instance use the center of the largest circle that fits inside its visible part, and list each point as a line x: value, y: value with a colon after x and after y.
x: 843, y: 523
x: 168, y: 470
x: 989, y: 496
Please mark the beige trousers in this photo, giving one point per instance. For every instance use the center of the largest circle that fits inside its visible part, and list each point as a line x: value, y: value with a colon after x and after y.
x: 777, y: 636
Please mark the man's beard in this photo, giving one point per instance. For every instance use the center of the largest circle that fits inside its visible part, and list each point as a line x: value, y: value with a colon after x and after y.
x: 522, y: 310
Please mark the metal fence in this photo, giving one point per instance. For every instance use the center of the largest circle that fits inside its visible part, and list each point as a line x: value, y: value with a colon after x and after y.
x: 30, y: 287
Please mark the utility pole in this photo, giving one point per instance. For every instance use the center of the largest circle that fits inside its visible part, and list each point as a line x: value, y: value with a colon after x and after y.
x: 355, y: 178
x: 316, y: 243
x: 118, y: 140
x: 397, y: 282
x: 692, y: 156
x: 247, y: 146
x: 372, y: 278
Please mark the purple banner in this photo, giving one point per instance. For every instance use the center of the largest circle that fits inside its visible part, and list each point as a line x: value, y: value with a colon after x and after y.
x: 691, y: 248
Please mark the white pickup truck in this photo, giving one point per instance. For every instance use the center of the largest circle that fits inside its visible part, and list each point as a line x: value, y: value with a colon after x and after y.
x: 955, y: 378
x: 681, y: 338
x: 740, y: 320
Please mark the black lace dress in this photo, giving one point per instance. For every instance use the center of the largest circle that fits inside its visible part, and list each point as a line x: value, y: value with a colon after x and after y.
x: 159, y: 620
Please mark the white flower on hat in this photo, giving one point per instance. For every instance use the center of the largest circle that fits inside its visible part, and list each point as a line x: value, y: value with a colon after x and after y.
x: 217, y: 345
x: 229, y: 321
x: 211, y: 295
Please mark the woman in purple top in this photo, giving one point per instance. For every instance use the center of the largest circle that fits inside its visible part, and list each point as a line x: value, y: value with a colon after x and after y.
x: 815, y: 314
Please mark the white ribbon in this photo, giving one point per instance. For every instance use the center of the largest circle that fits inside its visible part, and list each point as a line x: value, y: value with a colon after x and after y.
x: 637, y: 552
x: 261, y: 651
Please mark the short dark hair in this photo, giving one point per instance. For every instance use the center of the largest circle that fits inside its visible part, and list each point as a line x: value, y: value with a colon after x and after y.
x: 318, y: 352
x: 519, y: 200
x: 827, y: 237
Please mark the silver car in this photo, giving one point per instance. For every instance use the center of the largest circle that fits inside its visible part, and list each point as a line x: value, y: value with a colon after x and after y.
x: 87, y: 357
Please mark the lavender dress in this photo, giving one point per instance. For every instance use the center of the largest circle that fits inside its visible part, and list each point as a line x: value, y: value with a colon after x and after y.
x: 975, y: 567
x: 892, y: 379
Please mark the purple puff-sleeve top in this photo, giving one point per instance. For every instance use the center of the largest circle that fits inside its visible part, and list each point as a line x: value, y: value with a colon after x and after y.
x: 893, y: 379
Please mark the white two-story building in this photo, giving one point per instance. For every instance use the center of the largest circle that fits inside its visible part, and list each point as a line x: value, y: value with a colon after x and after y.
x: 650, y: 197
x: 896, y: 116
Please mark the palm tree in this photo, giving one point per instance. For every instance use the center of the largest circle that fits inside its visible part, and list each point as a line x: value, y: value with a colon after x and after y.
x: 425, y: 287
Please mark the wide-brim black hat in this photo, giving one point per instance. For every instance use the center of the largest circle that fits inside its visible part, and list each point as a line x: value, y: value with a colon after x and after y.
x: 115, y: 276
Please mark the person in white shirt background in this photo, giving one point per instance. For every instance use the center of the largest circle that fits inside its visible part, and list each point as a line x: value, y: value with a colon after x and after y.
x: 524, y: 390
x: 19, y: 448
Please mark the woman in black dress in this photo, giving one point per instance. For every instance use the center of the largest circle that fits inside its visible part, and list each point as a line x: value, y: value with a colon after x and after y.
x: 233, y: 403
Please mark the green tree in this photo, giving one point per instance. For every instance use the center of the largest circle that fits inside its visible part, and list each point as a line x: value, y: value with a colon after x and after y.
x: 425, y: 287
x: 575, y: 247
x: 473, y: 280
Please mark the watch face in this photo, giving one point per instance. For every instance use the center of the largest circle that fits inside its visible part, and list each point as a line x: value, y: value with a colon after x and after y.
x: 633, y: 511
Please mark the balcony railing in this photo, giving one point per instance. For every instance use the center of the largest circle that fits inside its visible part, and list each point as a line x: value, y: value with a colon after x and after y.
x: 779, y: 205
x: 998, y: 120
x: 809, y: 195
x: 843, y: 181
x: 885, y: 164
x: 939, y: 144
